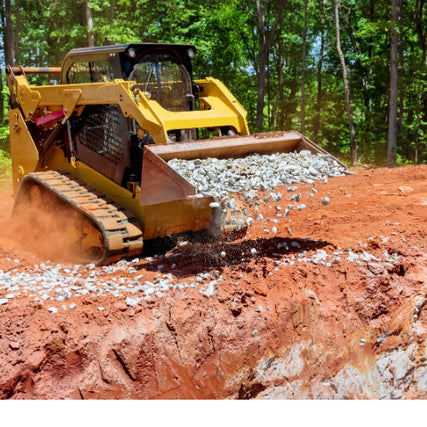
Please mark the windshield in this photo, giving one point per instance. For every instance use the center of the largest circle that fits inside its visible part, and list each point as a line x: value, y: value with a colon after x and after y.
x: 164, y: 79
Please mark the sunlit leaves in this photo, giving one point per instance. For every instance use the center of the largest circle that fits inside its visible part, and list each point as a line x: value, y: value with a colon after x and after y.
x: 226, y: 36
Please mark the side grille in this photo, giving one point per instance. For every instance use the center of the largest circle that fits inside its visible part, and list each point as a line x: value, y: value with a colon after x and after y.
x: 100, y: 129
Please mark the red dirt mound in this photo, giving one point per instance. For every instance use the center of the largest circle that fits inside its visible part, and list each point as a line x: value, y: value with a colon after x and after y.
x: 324, y: 300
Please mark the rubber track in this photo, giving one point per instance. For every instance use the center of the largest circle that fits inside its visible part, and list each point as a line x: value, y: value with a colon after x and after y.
x: 120, y: 230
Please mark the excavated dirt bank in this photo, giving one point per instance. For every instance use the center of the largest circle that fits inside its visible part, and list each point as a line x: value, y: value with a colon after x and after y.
x: 328, y: 303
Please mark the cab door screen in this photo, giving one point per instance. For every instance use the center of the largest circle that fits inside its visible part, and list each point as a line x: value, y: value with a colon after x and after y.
x: 164, y: 80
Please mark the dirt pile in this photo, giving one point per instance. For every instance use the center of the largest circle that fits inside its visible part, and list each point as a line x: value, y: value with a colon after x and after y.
x: 327, y: 301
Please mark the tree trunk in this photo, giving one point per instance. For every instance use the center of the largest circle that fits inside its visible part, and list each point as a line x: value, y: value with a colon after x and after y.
x: 319, y: 77
x: 261, y: 92
x: 392, y: 115
x: 421, y: 31
x: 264, y: 49
x: 89, y: 23
x: 368, y: 110
x: 353, y: 149
x: 401, y: 70
x: 8, y: 42
x: 113, y: 10
x: 1, y: 97
x: 281, y: 85
x: 421, y: 27
x: 171, y: 5
x: 366, y: 81
x: 17, y: 25
x: 304, y: 50
x: 263, y: 53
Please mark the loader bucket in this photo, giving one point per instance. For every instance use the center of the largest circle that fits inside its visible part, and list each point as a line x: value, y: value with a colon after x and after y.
x: 160, y: 182
x: 170, y: 203
x: 166, y: 192
x: 239, y: 146
x: 163, y: 184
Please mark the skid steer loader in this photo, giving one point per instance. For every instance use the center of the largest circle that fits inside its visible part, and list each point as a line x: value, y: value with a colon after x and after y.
x: 92, y: 146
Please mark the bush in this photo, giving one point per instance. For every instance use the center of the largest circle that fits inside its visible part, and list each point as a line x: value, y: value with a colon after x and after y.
x: 5, y: 160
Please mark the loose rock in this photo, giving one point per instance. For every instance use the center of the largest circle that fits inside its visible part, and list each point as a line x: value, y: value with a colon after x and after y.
x: 14, y: 345
x: 220, y: 177
x: 325, y: 201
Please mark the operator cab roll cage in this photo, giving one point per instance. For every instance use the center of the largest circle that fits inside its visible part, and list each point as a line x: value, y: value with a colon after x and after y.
x: 106, y: 63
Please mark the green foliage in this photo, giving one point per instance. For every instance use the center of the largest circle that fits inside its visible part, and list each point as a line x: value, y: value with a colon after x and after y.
x: 5, y: 161
x: 226, y: 36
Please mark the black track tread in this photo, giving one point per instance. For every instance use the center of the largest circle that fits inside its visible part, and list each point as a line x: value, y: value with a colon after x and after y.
x: 126, y: 237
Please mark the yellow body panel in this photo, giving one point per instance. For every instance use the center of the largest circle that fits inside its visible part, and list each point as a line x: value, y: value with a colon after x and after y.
x: 220, y: 108
x: 24, y: 153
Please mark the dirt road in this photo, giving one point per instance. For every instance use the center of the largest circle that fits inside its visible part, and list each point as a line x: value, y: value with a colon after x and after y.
x: 324, y: 300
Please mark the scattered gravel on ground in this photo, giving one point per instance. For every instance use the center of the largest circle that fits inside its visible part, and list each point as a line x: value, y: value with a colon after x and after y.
x: 321, y: 257
x: 50, y: 282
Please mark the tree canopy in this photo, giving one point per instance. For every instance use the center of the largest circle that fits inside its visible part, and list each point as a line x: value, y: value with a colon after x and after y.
x: 280, y: 58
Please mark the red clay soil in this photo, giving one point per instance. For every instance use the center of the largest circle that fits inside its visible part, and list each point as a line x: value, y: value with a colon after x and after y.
x: 332, y: 304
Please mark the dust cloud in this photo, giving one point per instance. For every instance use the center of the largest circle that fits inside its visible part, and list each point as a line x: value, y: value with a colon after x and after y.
x: 35, y: 230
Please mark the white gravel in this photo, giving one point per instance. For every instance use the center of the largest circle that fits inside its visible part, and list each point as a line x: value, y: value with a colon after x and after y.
x: 325, y: 201
x: 221, y: 177
x: 49, y: 283
x: 56, y: 282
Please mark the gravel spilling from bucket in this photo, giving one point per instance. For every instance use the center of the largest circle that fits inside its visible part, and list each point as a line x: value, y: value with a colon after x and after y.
x: 220, y: 177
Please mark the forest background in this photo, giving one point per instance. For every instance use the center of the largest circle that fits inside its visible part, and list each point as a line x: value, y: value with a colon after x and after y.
x: 349, y: 74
